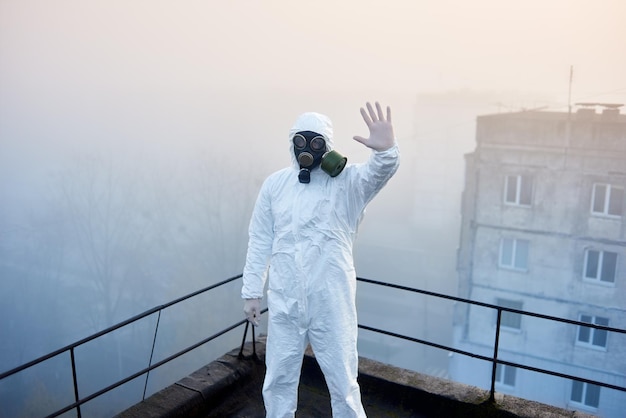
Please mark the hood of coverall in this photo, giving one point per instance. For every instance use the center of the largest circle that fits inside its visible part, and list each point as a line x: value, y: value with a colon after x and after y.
x: 311, y: 121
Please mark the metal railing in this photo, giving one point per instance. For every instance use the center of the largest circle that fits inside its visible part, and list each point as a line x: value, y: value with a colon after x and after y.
x: 78, y: 401
x: 494, y: 360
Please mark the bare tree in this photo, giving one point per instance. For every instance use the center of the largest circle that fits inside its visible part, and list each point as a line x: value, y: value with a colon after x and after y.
x: 103, y: 207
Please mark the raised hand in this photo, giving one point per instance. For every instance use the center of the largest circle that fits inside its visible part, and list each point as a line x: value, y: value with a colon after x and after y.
x: 381, y: 131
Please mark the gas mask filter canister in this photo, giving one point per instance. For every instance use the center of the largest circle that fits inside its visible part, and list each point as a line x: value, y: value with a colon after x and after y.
x: 333, y: 163
x: 310, y: 151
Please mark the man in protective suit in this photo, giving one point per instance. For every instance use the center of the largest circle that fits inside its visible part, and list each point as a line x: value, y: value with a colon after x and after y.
x: 303, y: 226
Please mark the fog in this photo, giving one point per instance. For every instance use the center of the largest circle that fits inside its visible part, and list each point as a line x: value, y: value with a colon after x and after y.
x: 134, y: 136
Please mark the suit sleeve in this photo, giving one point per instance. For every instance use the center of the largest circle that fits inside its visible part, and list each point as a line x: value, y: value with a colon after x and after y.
x: 261, y: 237
x: 373, y: 175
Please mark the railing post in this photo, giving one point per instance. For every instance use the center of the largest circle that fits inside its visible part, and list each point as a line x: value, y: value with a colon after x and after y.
x: 75, y: 382
x: 156, y: 330
x: 494, y: 362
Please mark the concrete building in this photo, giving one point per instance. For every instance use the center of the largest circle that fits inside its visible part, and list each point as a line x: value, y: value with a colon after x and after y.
x: 543, y: 230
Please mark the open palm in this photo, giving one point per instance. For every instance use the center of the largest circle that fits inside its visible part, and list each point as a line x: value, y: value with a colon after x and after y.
x: 381, y: 130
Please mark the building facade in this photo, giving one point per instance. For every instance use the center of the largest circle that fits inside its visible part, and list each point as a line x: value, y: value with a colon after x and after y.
x: 544, y: 230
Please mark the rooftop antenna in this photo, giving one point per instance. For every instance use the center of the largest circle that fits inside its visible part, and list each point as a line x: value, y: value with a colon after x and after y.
x: 569, y: 94
x: 568, y: 132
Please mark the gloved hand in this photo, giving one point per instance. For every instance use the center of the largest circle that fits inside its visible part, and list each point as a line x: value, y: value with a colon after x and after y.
x: 381, y: 131
x: 252, y: 309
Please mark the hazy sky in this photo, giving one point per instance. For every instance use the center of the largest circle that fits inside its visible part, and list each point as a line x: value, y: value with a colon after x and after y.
x: 151, y: 75
x: 327, y: 44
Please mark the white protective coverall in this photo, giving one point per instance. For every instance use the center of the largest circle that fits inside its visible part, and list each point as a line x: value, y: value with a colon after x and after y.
x: 305, y: 233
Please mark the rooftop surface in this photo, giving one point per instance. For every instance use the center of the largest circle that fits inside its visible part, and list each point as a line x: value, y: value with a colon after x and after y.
x: 230, y: 387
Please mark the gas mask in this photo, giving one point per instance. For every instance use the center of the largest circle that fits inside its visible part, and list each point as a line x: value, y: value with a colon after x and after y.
x: 311, y: 151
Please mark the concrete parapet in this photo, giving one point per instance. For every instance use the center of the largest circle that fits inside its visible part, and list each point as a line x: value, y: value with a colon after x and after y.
x: 196, y: 394
x: 231, y: 387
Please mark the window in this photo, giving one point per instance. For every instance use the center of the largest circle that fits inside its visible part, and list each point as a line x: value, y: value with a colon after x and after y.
x: 592, y: 337
x: 510, y: 320
x: 600, y: 266
x: 505, y: 375
x: 518, y: 190
x: 514, y: 253
x: 585, y: 394
x: 607, y: 200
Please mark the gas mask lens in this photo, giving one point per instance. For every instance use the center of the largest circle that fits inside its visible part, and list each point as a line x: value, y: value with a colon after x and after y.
x: 299, y: 141
x: 317, y: 143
